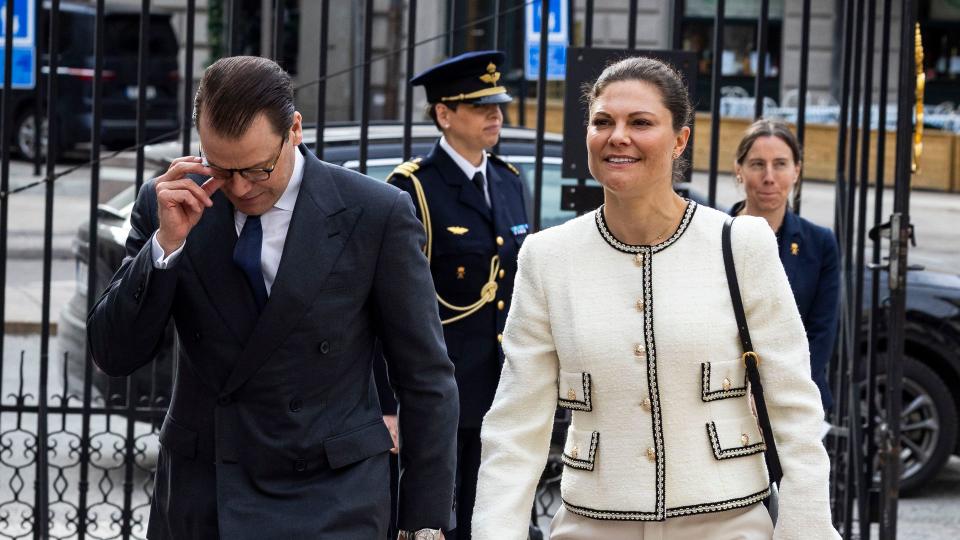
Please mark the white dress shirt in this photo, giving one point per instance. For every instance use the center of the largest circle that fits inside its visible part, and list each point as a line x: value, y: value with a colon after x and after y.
x: 468, y: 168
x: 274, y: 221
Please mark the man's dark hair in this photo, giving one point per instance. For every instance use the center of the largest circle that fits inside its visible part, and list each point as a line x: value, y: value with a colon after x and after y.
x: 235, y: 90
x: 432, y: 112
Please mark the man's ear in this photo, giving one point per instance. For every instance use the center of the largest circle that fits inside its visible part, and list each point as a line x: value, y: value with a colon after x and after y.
x: 297, y: 129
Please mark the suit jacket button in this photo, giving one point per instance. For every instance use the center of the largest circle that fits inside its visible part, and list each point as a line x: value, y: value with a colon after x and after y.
x: 296, y: 405
x: 324, y: 347
x: 224, y: 400
x: 299, y: 465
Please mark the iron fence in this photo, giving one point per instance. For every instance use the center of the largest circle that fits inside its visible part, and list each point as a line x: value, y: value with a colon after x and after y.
x: 75, y: 463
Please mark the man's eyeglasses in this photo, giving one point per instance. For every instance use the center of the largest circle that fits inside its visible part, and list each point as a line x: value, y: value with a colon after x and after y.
x: 255, y: 174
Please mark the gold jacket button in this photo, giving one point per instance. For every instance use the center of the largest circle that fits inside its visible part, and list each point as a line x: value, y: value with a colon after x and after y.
x: 745, y: 439
x: 726, y: 383
x: 639, y: 351
x: 645, y: 403
x: 571, y: 394
x: 502, y: 273
x: 501, y: 305
x: 499, y: 240
x: 640, y: 305
x: 499, y: 338
x: 651, y: 454
x: 574, y: 452
x: 638, y: 259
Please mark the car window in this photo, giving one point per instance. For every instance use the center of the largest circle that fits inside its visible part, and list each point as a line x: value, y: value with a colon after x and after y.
x: 123, y: 35
x: 550, y: 212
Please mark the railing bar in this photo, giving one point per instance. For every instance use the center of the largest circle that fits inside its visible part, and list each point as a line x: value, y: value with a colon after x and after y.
x: 143, y: 56
x: 187, y: 120
x: 279, y: 11
x: 92, y: 263
x: 631, y: 25
x: 715, y: 85
x: 408, y: 74
x: 451, y: 26
x: 365, y: 89
x: 541, y: 112
x: 802, y: 96
x: 5, y: 129
x: 588, y: 25
x: 763, y: 23
x: 41, y: 508
x: 322, y: 76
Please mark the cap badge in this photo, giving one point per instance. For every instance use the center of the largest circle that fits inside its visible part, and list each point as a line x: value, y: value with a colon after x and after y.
x: 492, y: 75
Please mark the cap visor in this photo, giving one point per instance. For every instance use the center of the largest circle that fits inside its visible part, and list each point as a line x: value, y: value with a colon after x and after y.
x: 495, y: 98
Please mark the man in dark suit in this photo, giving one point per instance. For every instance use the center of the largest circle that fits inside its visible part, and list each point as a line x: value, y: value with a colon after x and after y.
x: 281, y: 272
x: 471, y: 204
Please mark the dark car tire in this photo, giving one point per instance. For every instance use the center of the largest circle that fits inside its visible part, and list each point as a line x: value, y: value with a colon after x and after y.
x: 928, y: 425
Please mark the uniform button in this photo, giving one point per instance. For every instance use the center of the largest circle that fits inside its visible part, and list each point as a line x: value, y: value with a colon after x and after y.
x: 640, y: 305
x: 324, y: 347
x: 296, y: 405
x: 499, y: 240
x: 224, y: 400
x: 501, y: 305
x: 299, y: 465
x: 651, y: 454
x: 639, y: 351
x: 502, y: 273
x: 645, y: 403
x: 499, y: 338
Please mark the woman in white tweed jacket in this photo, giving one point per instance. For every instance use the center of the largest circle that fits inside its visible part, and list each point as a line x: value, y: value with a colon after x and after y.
x: 624, y: 316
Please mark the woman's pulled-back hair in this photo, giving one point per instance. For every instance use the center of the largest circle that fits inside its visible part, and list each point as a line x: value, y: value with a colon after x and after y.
x: 768, y: 128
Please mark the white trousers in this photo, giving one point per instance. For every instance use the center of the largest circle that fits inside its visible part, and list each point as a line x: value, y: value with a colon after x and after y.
x: 750, y: 523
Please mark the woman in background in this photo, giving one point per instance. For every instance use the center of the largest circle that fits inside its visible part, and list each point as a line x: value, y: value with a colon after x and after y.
x: 768, y: 164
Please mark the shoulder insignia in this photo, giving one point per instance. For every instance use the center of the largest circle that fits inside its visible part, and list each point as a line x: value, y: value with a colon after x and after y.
x: 506, y: 164
x: 405, y: 169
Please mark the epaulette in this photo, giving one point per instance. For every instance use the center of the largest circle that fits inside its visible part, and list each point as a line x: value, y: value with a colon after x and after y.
x: 503, y: 162
x: 405, y: 169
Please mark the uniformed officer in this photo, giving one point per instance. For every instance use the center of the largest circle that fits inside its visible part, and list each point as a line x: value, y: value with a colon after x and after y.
x: 471, y: 204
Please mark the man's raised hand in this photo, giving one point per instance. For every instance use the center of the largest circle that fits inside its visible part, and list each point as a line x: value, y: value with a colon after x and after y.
x: 181, y: 202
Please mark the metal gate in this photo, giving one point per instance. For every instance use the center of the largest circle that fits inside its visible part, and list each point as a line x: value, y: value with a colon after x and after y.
x: 75, y: 463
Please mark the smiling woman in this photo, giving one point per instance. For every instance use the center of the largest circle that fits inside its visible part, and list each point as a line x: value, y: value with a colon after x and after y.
x: 636, y: 335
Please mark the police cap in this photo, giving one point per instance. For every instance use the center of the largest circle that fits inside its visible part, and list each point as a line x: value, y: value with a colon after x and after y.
x: 468, y: 78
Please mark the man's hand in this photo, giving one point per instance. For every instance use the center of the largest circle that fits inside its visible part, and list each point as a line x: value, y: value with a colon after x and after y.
x: 181, y: 202
x: 391, y: 421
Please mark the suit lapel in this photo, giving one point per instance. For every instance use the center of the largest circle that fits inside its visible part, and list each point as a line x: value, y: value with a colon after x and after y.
x: 453, y: 175
x: 319, y: 229
x: 210, y: 250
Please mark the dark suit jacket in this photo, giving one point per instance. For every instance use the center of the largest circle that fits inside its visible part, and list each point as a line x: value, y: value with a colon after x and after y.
x: 811, y: 259
x: 461, y: 266
x: 274, y: 428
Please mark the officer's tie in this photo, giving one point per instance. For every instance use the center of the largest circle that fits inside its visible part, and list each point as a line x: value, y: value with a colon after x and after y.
x: 478, y: 180
x: 247, y: 256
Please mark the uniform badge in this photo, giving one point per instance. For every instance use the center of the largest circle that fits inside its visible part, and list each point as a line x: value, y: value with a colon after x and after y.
x: 459, y: 231
x: 794, y: 248
x: 521, y: 229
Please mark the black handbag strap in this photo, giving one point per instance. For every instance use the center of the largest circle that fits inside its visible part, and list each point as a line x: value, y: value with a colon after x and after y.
x: 750, y: 359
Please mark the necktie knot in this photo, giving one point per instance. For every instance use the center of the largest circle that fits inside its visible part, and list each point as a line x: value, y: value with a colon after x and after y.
x: 246, y: 255
x: 478, y: 180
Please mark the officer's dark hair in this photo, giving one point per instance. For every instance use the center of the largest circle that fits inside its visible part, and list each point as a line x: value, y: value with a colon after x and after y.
x: 236, y: 89
x: 432, y: 111
x: 768, y: 128
x: 673, y: 92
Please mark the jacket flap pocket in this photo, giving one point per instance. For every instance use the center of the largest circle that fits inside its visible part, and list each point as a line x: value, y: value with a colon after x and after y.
x: 574, y: 390
x: 361, y: 443
x: 178, y: 438
x: 722, y: 380
x: 580, y: 450
x: 735, y: 438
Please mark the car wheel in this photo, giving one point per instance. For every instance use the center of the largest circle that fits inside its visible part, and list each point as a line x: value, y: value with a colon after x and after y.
x: 928, y: 424
x: 24, y: 134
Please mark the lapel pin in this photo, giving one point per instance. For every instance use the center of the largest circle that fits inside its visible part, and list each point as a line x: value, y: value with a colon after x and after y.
x: 794, y: 248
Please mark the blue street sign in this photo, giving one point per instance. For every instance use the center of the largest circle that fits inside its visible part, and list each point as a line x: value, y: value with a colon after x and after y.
x: 24, y: 42
x: 557, y: 39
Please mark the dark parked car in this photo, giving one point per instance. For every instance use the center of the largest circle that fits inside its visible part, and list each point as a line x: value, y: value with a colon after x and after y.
x: 75, y: 79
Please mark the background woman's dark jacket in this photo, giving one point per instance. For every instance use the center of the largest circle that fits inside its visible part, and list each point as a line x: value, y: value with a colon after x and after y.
x: 811, y: 259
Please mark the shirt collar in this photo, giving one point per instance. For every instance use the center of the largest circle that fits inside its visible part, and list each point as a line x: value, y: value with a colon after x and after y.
x: 462, y: 162
x: 289, y: 197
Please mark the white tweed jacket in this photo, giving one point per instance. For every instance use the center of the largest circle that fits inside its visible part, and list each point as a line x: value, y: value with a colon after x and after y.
x: 641, y: 343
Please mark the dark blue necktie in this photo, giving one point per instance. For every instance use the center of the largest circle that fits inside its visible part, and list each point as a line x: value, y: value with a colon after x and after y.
x: 247, y: 256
